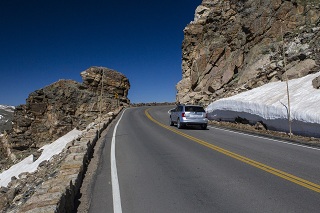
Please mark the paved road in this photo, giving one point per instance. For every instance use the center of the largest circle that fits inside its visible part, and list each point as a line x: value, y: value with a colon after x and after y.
x: 163, y: 169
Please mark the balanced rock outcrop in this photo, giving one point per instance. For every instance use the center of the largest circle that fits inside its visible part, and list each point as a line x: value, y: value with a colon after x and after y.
x: 56, y: 109
x: 233, y: 46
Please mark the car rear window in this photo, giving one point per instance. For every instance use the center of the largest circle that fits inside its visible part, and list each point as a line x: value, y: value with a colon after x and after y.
x: 194, y: 109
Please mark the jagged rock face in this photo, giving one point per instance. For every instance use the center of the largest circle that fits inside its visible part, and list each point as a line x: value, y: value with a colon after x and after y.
x: 232, y: 46
x: 64, y: 105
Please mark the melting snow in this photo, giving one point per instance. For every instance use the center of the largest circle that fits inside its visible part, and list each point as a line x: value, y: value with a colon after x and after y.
x: 269, y: 104
x: 27, y: 165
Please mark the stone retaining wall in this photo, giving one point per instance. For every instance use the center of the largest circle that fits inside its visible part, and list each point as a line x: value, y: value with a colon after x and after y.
x: 57, y: 194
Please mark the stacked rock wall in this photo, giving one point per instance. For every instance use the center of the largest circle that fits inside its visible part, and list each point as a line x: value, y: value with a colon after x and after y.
x: 232, y: 46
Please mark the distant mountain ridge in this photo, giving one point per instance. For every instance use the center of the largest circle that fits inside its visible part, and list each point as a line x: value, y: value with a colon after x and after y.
x: 6, y: 115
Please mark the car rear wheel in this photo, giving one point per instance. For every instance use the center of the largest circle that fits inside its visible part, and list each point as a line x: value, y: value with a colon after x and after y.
x: 204, y: 126
x: 171, y: 122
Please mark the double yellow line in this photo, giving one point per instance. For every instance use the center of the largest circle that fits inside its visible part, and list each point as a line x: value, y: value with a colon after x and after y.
x: 284, y: 175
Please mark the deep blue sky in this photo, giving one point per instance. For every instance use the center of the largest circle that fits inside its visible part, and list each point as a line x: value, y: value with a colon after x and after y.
x: 42, y: 41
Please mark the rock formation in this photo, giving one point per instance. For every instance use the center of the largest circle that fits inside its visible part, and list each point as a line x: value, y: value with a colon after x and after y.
x: 53, y: 111
x: 233, y: 46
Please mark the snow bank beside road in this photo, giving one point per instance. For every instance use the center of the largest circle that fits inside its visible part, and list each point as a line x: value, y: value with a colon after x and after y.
x: 268, y: 103
x: 49, y: 150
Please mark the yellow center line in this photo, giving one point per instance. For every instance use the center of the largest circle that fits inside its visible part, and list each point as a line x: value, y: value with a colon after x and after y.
x: 279, y: 173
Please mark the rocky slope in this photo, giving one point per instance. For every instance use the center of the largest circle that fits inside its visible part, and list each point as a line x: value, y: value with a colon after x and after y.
x: 234, y: 46
x: 53, y: 111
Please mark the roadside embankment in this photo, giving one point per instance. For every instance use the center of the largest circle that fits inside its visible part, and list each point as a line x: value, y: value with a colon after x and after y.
x: 54, y: 186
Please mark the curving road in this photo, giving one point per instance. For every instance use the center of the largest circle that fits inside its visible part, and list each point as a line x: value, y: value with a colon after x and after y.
x: 158, y: 168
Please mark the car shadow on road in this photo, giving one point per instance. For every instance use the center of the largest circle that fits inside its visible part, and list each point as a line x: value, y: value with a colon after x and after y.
x: 192, y: 128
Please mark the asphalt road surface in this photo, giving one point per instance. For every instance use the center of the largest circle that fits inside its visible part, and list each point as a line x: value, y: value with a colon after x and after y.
x: 158, y: 168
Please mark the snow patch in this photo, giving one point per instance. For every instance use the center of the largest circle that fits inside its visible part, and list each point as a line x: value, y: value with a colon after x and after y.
x: 7, y: 108
x: 49, y: 150
x: 269, y: 103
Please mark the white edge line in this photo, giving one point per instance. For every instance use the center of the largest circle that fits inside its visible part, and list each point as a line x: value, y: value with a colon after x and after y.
x: 114, y: 174
x: 279, y: 141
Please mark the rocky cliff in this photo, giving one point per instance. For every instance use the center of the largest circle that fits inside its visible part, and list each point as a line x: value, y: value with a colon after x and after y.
x: 233, y: 46
x: 53, y: 111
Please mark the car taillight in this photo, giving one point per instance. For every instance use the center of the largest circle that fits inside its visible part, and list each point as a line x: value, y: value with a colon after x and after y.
x: 183, y: 114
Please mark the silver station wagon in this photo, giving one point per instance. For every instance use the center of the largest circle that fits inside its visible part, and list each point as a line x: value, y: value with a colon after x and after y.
x: 188, y: 115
